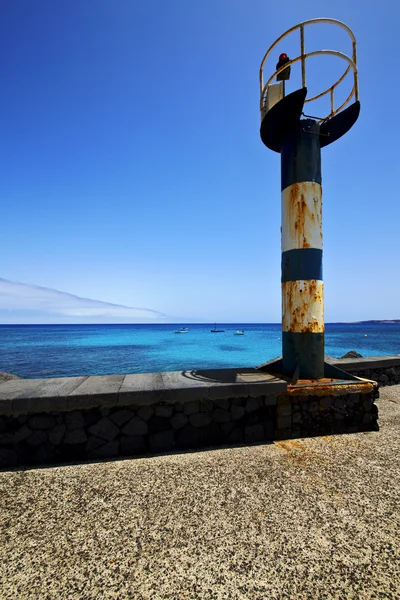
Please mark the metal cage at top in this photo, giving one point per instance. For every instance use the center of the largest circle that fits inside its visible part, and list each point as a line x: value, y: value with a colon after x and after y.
x: 352, y: 66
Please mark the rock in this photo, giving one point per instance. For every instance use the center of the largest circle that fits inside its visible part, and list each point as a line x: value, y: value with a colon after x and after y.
x: 37, y: 437
x: 8, y: 458
x: 41, y: 422
x: 222, y: 403
x: 158, y: 424
x: 105, y: 429
x: 383, y: 378
x: 120, y: 417
x: 200, y: 419
x: 56, y: 434
x: 160, y: 442
x: 106, y: 451
x: 237, y: 412
x: 210, y: 435
x: 191, y: 408
x: 136, y: 426
x: 188, y: 437
x: 236, y: 436
x: 7, y: 438
x: 178, y: 420
x: 8, y: 376
x: 93, y: 443
x: 284, y: 422
x: 22, y: 434
x: 164, y: 411
x: 206, y: 405
x: 2, y: 425
x: 352, y: 354
x: 252, y: 405
x: 78, y: 436
x: 132, y: 445
x: 145, y: 412
x: 74, y: 420
x: 221, y: 416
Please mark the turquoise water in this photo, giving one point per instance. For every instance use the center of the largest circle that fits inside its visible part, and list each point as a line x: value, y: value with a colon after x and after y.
x: 34, y: 351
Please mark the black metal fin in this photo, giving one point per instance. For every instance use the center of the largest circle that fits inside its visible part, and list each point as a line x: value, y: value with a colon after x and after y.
x: 282, y: 118
x: 334, y: 128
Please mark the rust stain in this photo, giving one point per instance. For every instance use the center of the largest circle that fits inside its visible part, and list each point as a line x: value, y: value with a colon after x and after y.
x: 302, y: 217
x: 302, y: 306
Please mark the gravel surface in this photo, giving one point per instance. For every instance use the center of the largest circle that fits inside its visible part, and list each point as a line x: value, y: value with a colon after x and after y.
x: 308, y: 518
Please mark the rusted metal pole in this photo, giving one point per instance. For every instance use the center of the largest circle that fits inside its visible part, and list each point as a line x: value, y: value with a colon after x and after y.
x: 302, y: 285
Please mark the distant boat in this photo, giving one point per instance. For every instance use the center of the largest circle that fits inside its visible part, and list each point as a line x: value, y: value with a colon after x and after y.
x: 184, y: 329
x: 239, y: 332
x: 215, y: 330
x: 180, y: 331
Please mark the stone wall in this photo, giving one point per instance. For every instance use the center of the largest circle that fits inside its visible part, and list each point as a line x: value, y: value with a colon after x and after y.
x: 383, y: 369
x: 61, y: 420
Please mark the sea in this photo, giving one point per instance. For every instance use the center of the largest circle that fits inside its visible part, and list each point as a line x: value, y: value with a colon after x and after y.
x: 36, y: 351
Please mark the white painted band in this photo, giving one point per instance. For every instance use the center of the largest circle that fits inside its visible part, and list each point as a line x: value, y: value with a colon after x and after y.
x: 303, y: 306
x: 302, y: 216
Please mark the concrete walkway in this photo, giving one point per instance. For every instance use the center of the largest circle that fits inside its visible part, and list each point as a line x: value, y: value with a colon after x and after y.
x: 310, y: 518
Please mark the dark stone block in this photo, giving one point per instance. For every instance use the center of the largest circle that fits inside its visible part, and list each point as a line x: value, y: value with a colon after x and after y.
x: 269, y: 430
x: 2, y: 425
x: 37, y: 437
x: 41, y: 422
x: 108, y: 450
x: 129, y: 446
x: 91, y: 417
x: 206, y: 405
x: 238, y: 401
x: 76, y: 437
x: 164, y: 411
x: 43, y: 455
x: 226, y: 429
x: 187, y: 437
x: 222, y: 403
x: 93, y: 443
x: 221, y: 416
x: 158, y: 424
x: 145, y: 412
x: 254, y: 433
x: 105, y: 428
x: 200, y: 419
x: 191, y: 408
x: 8, y: 457
x: 236, y: 436
x: 162, y: 442
x: 67, y: 452
x: 178, y: 420
x: 252, y: 405
x: 237, y: 412
x: 121, y: 416
x: 56, y: 434
x: 74, y: 420
x: 210, y: 435
x: 136, y: 426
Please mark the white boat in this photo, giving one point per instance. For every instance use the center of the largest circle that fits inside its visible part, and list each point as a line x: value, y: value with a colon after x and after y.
x: 239, y: 332
x: 180, y: 331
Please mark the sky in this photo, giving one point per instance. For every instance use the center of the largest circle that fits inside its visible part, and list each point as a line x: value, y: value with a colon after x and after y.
x: 133, y: 182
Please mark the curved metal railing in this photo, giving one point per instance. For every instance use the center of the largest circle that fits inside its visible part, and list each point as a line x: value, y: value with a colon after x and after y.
x: 352, y: 65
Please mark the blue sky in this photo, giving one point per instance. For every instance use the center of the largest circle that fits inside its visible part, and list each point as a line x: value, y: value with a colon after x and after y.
x: 132, y: 171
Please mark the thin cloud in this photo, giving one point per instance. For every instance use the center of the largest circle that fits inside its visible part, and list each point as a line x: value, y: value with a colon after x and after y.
x: 16, y: 296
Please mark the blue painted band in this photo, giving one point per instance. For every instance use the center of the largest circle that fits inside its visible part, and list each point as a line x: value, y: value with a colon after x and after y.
x: 301, y: 154
x: 305, y: 350
x: 302, y: 263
